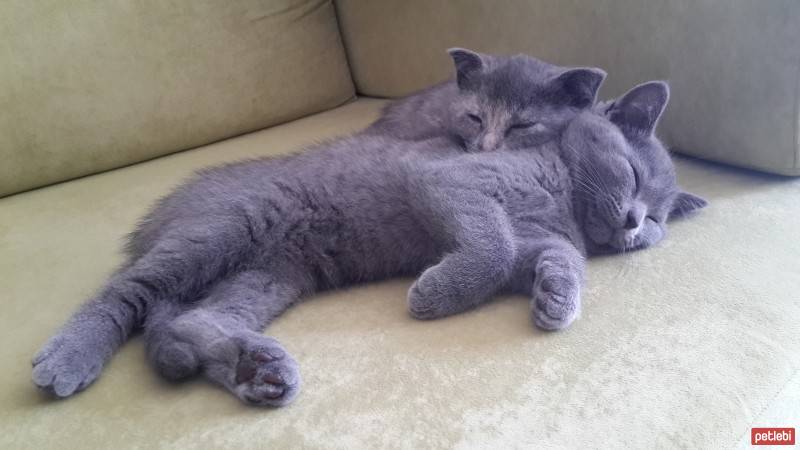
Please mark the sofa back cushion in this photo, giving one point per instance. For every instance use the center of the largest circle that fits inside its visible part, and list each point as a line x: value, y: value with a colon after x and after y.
x: 91, y: 85
x: 733, y: 65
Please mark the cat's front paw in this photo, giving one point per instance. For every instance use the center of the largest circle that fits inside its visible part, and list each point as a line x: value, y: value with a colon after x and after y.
x: 426, y: 301
x: 66, y: 366
x: 556, y: 302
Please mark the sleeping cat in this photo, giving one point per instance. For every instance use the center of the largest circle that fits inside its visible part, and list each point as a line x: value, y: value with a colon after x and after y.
x: 225, y: 253
x: 495, y: 103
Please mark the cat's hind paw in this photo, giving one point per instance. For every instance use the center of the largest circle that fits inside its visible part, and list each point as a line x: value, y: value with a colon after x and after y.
x: 265, y: 374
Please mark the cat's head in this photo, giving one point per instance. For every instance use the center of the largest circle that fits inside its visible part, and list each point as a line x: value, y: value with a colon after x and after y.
x: 517, y: 102
x: 624, y: 179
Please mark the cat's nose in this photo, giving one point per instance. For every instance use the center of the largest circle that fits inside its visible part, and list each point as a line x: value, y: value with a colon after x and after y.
x: 631, y: 221
x: 489, y: 142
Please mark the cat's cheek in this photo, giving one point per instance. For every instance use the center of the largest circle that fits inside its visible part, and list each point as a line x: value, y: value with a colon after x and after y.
x: 538, y: 138
x: 474, y: 144
x: 598, y: 231
x: 469, y: 139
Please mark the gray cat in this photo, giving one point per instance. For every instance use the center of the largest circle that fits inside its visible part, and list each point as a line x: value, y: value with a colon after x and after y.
x: 495, y: 103
x: 228, y: 251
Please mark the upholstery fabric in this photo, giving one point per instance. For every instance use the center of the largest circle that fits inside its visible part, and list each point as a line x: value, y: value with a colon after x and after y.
x: 687, y: 344
x: 734, y: 65
x: 90, y: 85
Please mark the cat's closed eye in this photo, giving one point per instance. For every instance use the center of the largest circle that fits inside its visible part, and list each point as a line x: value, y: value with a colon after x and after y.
x: 475, y: 118
x: 636, y: 180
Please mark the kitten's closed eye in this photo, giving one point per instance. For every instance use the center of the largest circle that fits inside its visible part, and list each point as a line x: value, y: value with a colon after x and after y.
x: 523, y: 125
x: 534, y: 127
x: 475, y: 118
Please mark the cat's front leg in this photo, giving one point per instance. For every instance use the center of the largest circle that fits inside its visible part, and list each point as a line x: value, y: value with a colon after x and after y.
x: 482, y: 250
x: 552, y: 272
x: 461, y: 281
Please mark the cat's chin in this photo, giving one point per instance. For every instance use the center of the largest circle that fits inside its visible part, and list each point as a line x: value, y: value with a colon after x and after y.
x: 595, y: 249
x: 607, y: 248
x: 619, y: 241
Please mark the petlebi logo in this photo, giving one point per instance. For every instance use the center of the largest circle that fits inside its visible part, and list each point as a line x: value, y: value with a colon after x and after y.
x: 772, y: 436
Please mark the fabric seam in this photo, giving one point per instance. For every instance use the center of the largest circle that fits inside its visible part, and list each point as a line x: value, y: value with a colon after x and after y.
x: 767, y: 405
x: 797, y: 119
x: 345, y: 48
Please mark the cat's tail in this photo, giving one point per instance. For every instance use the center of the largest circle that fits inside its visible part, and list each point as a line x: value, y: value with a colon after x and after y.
x: 175, y: 267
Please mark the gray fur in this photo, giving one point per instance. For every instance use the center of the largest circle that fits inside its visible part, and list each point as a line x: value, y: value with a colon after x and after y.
x: 495, y: 103
x: 218, y: 259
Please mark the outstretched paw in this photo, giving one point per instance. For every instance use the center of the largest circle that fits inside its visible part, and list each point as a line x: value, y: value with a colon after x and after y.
x: 64, y: 366
x: 556, y: 302
x: 429, y: 299
x: 265, y: 374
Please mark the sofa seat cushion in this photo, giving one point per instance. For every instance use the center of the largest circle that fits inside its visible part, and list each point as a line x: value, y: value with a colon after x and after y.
x: 687, y: 344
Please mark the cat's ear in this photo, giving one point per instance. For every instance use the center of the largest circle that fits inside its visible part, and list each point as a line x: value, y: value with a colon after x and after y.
x: 685, y: 204
x: 468, y: 65
x: 579, y: 86
x: 637, y: 112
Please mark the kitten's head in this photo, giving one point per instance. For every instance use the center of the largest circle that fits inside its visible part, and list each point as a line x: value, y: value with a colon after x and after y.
x: 624, y: 179
x: 517, y: 102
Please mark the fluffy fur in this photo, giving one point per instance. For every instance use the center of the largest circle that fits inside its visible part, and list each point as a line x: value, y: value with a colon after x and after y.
x: 218, y: 259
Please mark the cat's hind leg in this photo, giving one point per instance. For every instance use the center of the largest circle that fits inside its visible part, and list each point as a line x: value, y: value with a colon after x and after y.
x: 223, y: 332
x: 172, y: 358
x: 180, y: 263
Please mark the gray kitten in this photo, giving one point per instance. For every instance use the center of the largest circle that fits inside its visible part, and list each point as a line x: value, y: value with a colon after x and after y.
x: 495, y: 103
x: 224, y: 254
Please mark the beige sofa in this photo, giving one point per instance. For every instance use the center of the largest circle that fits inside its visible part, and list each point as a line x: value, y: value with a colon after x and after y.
x: 689, y: 344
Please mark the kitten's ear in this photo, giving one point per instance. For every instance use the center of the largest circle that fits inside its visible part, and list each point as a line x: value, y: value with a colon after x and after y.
x: 579, y: 86
x: 685, y: 204
x: 637, y: 112
x: 468, y: 64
